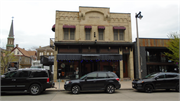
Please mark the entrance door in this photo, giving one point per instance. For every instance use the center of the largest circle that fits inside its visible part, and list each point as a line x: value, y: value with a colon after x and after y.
x: 125, y: 65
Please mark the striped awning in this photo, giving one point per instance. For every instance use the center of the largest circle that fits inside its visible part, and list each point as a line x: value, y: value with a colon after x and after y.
x: 69, y: 26
x: 101, y: 27
x: 53, y: 28
x: 119, y: 27
x: 88, y: 27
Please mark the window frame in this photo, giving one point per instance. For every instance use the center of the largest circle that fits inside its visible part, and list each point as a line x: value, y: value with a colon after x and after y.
x: 101, y: 32
x: 87, y: 32
x: 119, y: 34
x: 68, y: 33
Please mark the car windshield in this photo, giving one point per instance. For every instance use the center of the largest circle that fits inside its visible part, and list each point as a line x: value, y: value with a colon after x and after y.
x: 151, y: 75
x: 82, y: 78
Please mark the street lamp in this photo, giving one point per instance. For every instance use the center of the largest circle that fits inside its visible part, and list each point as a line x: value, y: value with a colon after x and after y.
x: 140, y: 17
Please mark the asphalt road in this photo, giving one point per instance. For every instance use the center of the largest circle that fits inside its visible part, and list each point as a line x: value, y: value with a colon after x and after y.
x: 119, y: 95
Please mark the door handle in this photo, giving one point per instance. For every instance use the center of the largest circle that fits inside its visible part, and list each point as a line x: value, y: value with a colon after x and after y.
x: 13, y: 79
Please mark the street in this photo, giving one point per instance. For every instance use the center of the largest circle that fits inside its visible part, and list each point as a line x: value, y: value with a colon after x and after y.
x: 119, y: 95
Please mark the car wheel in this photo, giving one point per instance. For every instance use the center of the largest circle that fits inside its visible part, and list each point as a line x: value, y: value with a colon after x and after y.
x: 34, y: 89
x: 75, y: 89
x: 177, y: 88
x: 148, y: 88
x: 110, y: 89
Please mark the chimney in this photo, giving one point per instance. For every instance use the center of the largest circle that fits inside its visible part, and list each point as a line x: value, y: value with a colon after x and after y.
x: 16, y: 45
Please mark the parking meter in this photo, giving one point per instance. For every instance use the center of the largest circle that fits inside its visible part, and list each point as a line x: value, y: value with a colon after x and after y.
x: 58, y: 73
x: 58, y: 76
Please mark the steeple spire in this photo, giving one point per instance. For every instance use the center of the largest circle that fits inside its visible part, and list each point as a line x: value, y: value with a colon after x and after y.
x: 10, y: 39
x: 11, y: 32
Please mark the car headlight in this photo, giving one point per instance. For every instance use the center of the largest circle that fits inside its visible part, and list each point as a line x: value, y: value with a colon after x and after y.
x: 67, y: 82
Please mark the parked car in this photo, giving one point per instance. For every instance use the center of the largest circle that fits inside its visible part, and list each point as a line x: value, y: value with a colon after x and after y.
x: 161, y: 80
x: 99, y: 80
x: 29, y: 80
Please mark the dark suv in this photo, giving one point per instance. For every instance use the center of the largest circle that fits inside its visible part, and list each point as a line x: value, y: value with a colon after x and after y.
x: 100, y: 80
x: 29, y: 80
x: 162, y: 80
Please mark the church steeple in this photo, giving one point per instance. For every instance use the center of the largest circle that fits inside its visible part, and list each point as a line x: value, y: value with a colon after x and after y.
x: 11, y: 32
x: 10, y: 39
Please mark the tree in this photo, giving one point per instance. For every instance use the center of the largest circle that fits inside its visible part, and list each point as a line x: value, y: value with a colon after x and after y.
x: 173, y: 46
x: 6, y: 58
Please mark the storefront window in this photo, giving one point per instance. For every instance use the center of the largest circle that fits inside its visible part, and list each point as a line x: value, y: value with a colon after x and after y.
x: 68, y: 69
x: 161, y: 68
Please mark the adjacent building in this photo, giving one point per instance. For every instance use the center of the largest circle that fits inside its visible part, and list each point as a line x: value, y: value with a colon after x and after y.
x: 45, y: 57
x: 24, y: 58
x: 93, y: 39
x: 152, y: 58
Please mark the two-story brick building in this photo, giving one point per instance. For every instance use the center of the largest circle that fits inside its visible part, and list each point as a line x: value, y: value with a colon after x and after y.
x: 93, y: 39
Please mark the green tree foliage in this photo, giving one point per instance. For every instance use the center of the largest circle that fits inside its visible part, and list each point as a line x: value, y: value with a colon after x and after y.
x: 173, y: 46
x: 6, y: 58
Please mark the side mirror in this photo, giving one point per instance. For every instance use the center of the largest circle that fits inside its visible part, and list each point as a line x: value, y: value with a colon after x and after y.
x: 3, y: 76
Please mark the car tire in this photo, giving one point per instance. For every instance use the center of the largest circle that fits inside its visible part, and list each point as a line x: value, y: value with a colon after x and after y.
x: 110, y: 89
x: 177, y: 88
x: 148, y: 88
x: 35, y: 89
x: 75, y: 89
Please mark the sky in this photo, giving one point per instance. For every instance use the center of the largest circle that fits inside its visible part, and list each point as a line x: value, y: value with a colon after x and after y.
x: 33, y: 19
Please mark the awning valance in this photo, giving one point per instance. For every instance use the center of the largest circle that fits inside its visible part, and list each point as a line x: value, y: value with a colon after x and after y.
x: 68, y: 56
x: 101, y: 27
x: 88, y: 27
x: 119, y: 27
x: 69, y: 26
x: 53, y: 28
x: 89, y: 57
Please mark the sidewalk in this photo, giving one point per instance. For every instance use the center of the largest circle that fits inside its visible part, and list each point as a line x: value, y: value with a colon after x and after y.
x: 124, y: 85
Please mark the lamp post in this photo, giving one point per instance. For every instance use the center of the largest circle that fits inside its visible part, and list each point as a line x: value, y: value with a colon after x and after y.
x: 138, y: 53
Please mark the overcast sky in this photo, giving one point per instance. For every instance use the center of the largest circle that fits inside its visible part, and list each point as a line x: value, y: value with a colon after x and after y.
x: 33, y: 19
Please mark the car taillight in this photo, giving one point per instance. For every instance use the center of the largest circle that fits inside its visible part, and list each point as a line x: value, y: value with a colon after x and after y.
x: 117, y: 79
x: 47, y: 80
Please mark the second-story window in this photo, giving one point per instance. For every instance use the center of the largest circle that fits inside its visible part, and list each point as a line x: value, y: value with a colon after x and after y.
x: 69, y: 32
x: 101, y: 32
x: 88, y: 32
x: 118, y: 32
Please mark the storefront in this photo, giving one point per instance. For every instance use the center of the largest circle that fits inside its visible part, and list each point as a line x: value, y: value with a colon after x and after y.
x: 75, y: 60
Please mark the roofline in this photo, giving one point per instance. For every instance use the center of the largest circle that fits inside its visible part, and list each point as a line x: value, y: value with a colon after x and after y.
x: 67, y: 11
x: 118, y: 13
x: 153, y: 38
x: 93, y: 7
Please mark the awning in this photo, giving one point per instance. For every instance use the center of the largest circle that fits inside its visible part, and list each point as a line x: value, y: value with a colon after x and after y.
x: 69, y: 26
x: 53, y: 28
x: 101, y: 27
x: 88, y: 27
x: 68, y: 56
x: 89, y: 57
x: 119, y: 27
